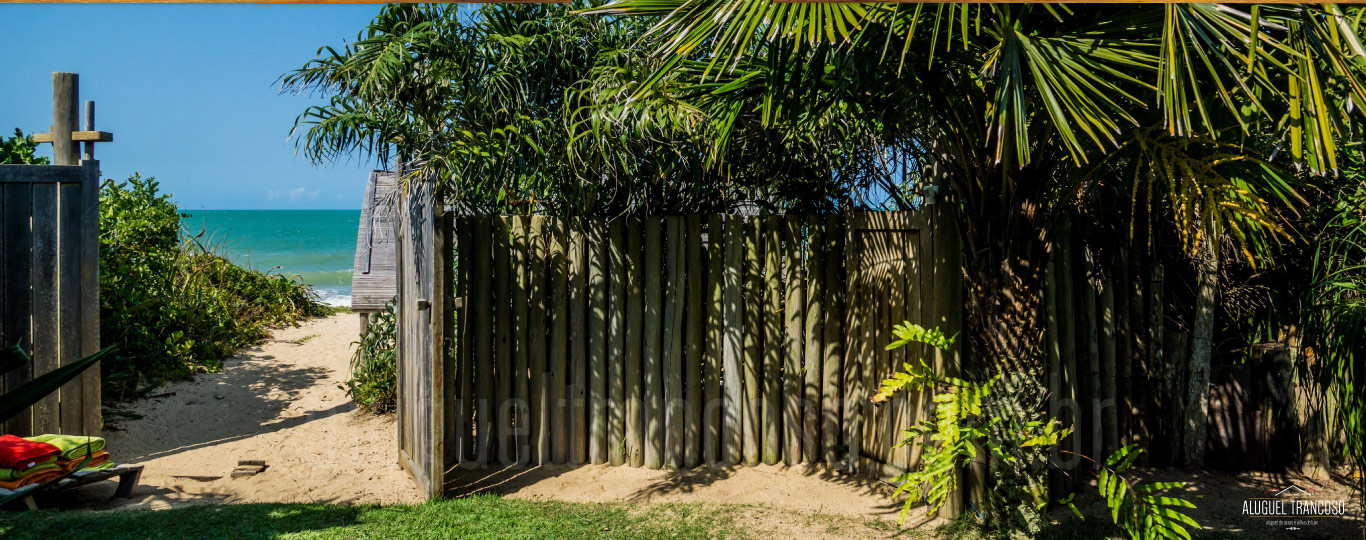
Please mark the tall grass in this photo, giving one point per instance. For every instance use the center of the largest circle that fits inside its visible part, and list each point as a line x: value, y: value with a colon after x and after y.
x: 374, y: 366
x: 169, y: 302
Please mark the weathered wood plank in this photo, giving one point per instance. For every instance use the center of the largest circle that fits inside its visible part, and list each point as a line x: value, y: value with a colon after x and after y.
x: 856, y: 316
x: 598, y: 254
x: 538, y: 315
x: 635, y: 321
x: 919, y: 309
x: 694, y: 342
x: 813, y: 358
x: 673, y: 331
x: 832, y: 341
x: 504, y: 444
x: 46, y: 311
x: 578, y: 346
x: 521, y: 315
x: 481, y: 326
x: 557, y: 270
x: 901, y: 290
x: 652, y: 370
x: 46, y: 174
x: 443, y: 327
x: 772, y: 340
x: 713, y: 391
x: 18, y: 300
x: 752, y: 410
x: 732, y: 358
x: 89, y: 310
x: 794, y: 345
x: 616, y: 341
x: 69, y: 289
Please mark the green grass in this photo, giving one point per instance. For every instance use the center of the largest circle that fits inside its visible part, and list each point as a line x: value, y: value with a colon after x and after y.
x: 474, y: 517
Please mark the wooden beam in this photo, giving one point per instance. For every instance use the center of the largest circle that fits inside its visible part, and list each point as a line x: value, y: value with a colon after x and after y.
x: 78, y: 136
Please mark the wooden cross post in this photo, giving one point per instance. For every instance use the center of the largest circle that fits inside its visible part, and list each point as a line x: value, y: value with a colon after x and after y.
x: 65, y: 117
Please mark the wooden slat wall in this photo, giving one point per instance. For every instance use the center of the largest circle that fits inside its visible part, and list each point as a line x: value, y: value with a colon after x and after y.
x: 49, y: 289
x: 679, y: 341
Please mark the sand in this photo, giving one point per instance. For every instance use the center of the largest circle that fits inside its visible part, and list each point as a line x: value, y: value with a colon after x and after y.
x: 281, y: 402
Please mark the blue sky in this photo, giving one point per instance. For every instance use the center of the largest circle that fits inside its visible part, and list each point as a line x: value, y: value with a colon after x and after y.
x: 189, y: 92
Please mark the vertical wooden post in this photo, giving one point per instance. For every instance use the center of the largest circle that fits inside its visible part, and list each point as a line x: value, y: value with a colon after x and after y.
x: 793, y: 378
x: 772, y: 341
x: 89, y: 126
x: 813, y: 366
x: 500, y: 235
x: 616, y: 340
x: 635, y: 320
x: 538, y: 314
x: 712, y: 449
x: 65, y: 116
x: 733, y: 356
x: 46, y: 324
x: 695, y: 343
x: 652, y: 372
x: 557, y: 269
x: 597, y: 252
x: 482, y: 360
x: 672, y: 361
x: 521, y: 314
x: 833, y: 330
x: 1067, y: 338
x: 90, y: 292
x: 576, y: 392
x: 855, y: 316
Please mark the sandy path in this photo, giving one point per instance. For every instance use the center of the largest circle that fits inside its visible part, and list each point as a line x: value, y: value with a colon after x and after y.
x: 280, y: 402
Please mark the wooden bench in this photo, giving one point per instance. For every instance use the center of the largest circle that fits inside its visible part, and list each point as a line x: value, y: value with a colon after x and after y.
x: 129, y: 475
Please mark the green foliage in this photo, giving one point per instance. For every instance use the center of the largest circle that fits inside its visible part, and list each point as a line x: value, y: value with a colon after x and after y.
x: 170, y: 304
x: 374, y: 366
x: 1335, y: 323
x: 970, y: 415
x: 1002, y: 417
x: 19, y: 150
x: 1138, y: 508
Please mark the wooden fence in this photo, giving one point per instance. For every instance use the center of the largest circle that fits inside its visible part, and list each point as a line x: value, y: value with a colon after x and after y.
x: 49, y: 288
x: 680, y: 341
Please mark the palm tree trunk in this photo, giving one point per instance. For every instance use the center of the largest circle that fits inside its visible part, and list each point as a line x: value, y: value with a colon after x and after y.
x: 1202, y: 347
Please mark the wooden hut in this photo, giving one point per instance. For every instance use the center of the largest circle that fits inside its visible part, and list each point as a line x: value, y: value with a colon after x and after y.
x: 372, y: 280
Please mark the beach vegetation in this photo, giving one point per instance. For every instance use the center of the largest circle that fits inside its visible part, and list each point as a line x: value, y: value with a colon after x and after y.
x: 373, y: 384
x: 20, y: 150
x: 169, y: 302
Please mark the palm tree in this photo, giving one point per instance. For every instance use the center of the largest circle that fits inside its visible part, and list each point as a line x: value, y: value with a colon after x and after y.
x: 1022, y: 109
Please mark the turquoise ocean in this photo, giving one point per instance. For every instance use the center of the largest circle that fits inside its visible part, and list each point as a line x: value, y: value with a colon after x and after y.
x: 317, y: 247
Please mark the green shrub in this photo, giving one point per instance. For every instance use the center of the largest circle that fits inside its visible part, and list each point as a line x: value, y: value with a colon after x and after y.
x: 20, y: 150
x: 1002, y: 417
x: 171, y: 305
x: 374, y: 368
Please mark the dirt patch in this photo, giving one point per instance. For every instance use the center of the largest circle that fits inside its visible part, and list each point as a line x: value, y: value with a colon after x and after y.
x: 280, y: 402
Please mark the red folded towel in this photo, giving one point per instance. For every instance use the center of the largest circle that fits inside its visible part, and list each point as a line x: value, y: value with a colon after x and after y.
x: 19, y: 453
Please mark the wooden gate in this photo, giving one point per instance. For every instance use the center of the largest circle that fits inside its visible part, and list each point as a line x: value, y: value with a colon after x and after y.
x: 425, y: 308
x: 50, y: 288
